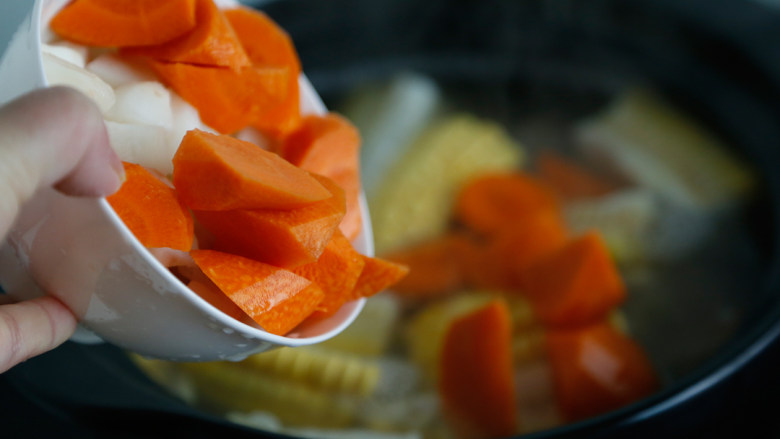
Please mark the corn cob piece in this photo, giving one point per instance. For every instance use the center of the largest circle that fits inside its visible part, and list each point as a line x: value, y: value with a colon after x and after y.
x: 414, y: 202
x: 319, y: 369
x: 228, y: 387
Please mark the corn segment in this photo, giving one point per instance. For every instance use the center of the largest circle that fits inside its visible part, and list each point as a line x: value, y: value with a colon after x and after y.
x: 415, y: 199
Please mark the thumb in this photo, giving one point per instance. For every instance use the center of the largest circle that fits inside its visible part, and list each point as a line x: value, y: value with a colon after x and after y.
x: 53, y: 137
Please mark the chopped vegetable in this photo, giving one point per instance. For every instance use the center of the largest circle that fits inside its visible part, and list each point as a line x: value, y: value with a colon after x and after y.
x: 264, y: 41
x: 142, y: 144
x: 152, y: 210
x: 436, y: 267
x: 575, y: 285
x: 336, y: 271
x: 476, y: 382
x: 118, y: 23
x: 319, y: 369
x: 494, y: 201
x: 377, y: 275
x: 511, y: 250
x: 597, y: 369
x: 61, y: 72
x: 329, y: 145
x: 227, y: 100
x: 659, y: 147
x: 570, y: 180
x: 268, y: 45
x: 285, y: 238
x: 212, y: 42
x: 212, y: 172
x: 277, y: 299
x: 143, y: 103
x: 414, y: 202
x: 424, y: 331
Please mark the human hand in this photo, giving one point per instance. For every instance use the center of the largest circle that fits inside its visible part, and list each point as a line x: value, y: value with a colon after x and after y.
x: 51, y: 137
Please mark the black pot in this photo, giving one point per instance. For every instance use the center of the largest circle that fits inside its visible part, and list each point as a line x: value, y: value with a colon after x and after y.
x: 718, y: 60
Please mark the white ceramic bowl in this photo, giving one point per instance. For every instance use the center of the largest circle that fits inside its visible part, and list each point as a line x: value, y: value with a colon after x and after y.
x: 78, y: 250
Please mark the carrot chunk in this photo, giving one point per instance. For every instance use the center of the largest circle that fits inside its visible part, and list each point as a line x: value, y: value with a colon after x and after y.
x: 227, y: 100
x: 336, y: 271
x: 492, y: 202
x: 436, y: 267
x: 330, y: 145
x: 476, y: 379
x: 268, y: 45
x: 218, y: 172
x: 212, y: 42
x: 276, y: 299
x: 278, y: 120
x: 264, y: 41
x: 597, y: 369
x: 285, y: 238
x: 511, y: 250
x: 378, y: 274
x: 152, y: 210
x: 119, y: 23
x: 569, y: 180
x: 577, y: 284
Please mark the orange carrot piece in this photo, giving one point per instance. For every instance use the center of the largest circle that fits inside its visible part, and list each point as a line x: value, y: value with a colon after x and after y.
x: 476, y: 379
x: 152, y: 210
x: 492, y: 202
x: 211, y: 43
x: 349, y: 180
x: 336, y: 271
x: 278, y: 120
x: 266, y: 43
x: 597, y: 369
x: 227, y: 100
x: 378, y: 274
x: 575, y: 285
x: 276, y: 299
x: 119, y: 23
x: 436, y: 267
x: 570, y: 180
x: 512, y: 250
x: 220, y: 172
x: 330, y: 145
x: 285, y: 238
x: 211, y: 293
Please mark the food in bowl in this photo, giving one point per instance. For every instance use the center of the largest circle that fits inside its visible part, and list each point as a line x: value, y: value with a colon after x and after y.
x: 263, y: 229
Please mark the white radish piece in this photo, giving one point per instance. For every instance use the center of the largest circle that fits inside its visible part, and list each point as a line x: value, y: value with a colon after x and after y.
x: 146, y: 145
x: 117, y: 72
x: 146, y: 103
x: 184, y: 118
x: 59, y: 72
x: 70, y: 52
x: 253, y: 135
